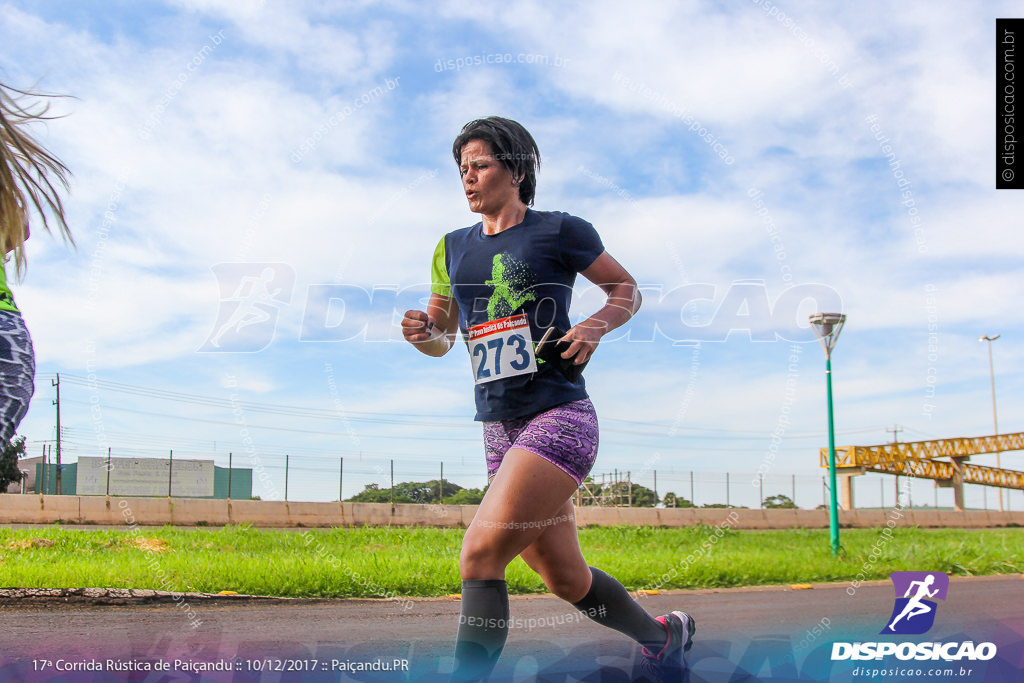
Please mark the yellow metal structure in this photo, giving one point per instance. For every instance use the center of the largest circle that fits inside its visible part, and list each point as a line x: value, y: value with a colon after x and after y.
x: 922, y: 459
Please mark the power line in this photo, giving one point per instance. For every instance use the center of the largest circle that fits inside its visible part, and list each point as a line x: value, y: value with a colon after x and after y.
x: 410, y: 419
x: 248, y: 425
x: 251, y: 406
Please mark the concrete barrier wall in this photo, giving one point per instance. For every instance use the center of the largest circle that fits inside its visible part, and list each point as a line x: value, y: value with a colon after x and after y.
x: 38, y: 509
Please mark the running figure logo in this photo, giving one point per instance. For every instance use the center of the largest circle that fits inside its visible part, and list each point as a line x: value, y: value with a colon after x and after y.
x: 511, y: 280
x: 251, y: 295
x: 914, y: 613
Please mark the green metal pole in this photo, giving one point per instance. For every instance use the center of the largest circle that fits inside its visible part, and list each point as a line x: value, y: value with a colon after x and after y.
x: 834, y: 508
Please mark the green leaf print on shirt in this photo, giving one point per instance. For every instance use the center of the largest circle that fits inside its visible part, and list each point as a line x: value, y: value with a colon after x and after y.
x: 511, y: 280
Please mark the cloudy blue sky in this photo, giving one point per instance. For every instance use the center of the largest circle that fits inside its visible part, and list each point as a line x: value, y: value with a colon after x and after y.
x: 747, y: 162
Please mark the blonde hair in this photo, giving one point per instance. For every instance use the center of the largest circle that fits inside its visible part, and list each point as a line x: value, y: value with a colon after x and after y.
x: 28, y: 173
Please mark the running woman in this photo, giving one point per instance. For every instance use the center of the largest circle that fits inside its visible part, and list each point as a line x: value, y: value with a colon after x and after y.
x: 502, y: 283
x: 27, y: 176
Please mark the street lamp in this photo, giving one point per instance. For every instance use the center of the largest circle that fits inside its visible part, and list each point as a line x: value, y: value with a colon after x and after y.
x: 995, y: 421
x: 828, y: 326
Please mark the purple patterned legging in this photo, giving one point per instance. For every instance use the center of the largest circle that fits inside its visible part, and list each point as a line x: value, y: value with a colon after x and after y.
x: 565, y: 435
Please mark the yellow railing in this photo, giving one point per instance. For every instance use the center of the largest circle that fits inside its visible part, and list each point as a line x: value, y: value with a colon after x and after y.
x: 919, y: 459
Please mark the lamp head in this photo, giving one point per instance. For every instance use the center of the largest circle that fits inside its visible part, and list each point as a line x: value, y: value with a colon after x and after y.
x: 828, y: 326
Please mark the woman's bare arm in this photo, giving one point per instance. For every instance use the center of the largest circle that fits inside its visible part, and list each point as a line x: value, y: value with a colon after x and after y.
x: 433, y: 331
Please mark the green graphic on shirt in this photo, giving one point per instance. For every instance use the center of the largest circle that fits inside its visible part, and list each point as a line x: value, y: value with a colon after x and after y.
x: 511, y: 279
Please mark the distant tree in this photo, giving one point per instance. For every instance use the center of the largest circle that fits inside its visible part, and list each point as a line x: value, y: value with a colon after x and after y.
x: 426, y: 492
x: 419, y: 492
x: 723, y: 505
x: 466, y: 497
x: 9, y: 471
x: 372, y: 493
x: 620, y: 494
x: 779, y: 502
x: 642, y: 496
x: 671, y: 500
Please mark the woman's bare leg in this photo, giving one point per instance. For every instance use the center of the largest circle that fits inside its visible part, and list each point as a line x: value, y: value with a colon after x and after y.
x: 556, y: 556
x: 523, y: 500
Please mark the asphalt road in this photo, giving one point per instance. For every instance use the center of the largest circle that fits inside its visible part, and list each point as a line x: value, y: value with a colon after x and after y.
x: 747, y: 634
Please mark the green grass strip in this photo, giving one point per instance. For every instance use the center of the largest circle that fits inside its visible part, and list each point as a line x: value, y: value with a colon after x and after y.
x: 380, y: 562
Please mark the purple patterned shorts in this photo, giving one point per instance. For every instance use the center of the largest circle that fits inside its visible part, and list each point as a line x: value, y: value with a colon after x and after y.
x: 565, y: 436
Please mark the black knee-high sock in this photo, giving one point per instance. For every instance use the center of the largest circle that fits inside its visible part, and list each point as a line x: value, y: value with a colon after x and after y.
x: 608, y: 603
x: 483, y: 628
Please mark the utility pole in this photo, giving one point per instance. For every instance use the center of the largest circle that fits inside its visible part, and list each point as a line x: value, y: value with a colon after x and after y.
x: 895, y: 431
x: 56, y: 383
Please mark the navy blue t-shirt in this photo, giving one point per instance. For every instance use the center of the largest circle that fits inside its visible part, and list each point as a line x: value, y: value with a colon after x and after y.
x: 529, y: 268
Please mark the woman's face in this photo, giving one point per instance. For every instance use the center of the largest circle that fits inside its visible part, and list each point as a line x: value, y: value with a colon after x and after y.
x: 487, y: 183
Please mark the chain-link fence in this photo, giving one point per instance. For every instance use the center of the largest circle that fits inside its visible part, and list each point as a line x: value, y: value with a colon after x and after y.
x: 375, y: 478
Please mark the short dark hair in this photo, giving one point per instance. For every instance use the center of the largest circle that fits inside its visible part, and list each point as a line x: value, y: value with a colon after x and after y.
x: 511, y: 144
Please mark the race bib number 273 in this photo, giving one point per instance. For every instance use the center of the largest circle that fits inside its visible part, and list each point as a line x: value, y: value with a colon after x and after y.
x: 501, y: 348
